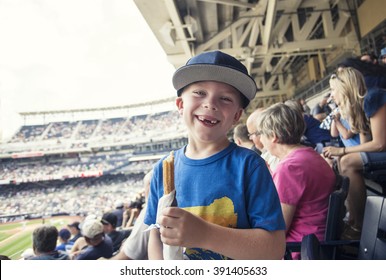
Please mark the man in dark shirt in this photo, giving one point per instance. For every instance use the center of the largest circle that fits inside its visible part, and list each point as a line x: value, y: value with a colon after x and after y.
x: 109, y: 221
x: 99, y: 244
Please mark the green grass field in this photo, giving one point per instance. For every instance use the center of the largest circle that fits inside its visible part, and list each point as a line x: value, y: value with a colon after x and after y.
x: 16, y: 237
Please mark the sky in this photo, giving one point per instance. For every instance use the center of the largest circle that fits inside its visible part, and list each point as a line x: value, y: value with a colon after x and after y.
x: 72, y: 54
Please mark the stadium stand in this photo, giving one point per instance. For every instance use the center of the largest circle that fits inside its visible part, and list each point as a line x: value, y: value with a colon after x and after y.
x: 53, y: 168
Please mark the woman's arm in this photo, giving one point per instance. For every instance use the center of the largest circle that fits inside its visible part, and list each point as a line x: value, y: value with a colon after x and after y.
x: 376, y: 144
x: 346, y: 134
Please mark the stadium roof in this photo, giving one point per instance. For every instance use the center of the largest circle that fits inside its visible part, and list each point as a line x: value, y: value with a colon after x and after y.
x: 285, y: 44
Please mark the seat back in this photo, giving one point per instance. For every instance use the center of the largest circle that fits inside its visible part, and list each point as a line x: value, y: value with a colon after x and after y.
x: 335, y: 214
x: 372, y: 244
x: 337, y: 209
x: 310, y: 248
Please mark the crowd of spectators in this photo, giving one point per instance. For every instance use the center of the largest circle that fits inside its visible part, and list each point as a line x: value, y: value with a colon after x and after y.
x: 81, y: 133
x: 80, y: 196
x: 35, y: 171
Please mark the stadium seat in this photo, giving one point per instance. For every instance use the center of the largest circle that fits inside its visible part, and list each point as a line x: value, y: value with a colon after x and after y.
x: 335, y: 215
x: 375, y: 182
x: 372, y: 244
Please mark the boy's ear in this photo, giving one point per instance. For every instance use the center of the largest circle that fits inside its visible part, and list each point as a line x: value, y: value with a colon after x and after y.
x: 238, y: 115
x: 180, y: 105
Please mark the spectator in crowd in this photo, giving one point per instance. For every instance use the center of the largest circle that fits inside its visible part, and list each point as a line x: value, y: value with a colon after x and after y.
x: 271, y: 160
x: 241, y: 138
x: 4, y: 258
x: 306, y: 108
x: 109, y: 221
x: 119, y: 210
x: 211, y: 173
x: 63, y: 238
x: 44, y: 240
x: 303, y: 179
x: 74, y: 230
x: 313, y: 135
x: 99, y: 244
x: 382, y: 57
x: 366, y: 114
x: 321, y: 110
x: 136, y: 245
x: 369, y: 57
x: 79, y: 245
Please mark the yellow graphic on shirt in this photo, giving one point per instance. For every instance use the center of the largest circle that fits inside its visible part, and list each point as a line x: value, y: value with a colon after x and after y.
x: 220, y: 212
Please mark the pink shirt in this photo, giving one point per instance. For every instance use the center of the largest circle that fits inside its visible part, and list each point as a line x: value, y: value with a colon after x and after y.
x: 305, y: 180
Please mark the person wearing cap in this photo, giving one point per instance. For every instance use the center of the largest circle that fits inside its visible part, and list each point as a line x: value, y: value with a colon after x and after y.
x: 64, y: 240
x: 228, y: 207
x: 109, y: 221
x: 99, y: 244
x: 119, y: 211
x: 75, y: 231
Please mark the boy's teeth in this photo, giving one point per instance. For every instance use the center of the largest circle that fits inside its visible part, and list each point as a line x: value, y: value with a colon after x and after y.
x: 205, y: 120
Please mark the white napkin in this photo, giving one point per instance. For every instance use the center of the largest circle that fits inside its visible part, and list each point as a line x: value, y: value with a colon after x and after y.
x: 169, y: 252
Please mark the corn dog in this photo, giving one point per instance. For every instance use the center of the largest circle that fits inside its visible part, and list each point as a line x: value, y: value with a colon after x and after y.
x: 168, y: 173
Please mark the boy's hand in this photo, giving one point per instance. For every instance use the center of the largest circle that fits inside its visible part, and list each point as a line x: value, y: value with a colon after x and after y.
x: 181, y: 228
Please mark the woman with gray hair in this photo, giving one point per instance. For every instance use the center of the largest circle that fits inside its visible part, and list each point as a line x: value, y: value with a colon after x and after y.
x: 303, y: 179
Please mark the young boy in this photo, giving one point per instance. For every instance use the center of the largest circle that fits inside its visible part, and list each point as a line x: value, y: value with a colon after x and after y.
x: 228, y: 207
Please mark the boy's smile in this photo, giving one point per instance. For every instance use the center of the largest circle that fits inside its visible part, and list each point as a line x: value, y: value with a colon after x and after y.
x: 207, y: 120
x: 209, y: 109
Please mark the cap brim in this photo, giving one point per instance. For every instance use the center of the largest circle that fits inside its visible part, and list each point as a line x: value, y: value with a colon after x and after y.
x: 189, y: 74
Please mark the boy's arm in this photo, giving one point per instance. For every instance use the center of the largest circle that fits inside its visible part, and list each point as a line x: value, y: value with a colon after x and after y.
x: 155, y: 250
x: 181, y: 228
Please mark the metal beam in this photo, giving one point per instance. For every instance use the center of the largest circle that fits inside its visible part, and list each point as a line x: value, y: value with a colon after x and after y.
x: 230, y: 3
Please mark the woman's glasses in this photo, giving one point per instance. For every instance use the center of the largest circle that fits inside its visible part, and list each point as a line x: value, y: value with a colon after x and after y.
x: 256, y: 133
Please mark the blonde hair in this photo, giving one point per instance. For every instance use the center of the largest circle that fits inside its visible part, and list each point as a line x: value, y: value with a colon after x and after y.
x: 283, y: 122
x: 350, y: 85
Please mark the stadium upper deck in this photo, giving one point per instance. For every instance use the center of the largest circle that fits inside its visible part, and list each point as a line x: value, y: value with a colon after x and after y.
x: 82, y: 132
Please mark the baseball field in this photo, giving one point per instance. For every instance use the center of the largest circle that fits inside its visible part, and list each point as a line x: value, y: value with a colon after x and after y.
x: 16, y: 237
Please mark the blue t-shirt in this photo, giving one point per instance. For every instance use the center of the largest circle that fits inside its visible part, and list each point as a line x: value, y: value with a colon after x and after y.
x: 232, y: 188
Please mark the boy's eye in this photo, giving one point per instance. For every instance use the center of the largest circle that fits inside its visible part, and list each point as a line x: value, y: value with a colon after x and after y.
x: 227, y: 99
x: 199, y: 92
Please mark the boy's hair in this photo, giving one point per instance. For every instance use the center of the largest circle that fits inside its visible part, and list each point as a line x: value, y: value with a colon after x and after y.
x: 283, y: 122
x: 216, y: 66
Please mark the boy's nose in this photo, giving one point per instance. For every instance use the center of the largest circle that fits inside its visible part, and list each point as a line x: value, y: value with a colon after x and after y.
x: 210, y: 104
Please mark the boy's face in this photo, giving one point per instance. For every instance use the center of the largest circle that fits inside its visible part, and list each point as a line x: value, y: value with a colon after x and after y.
x: 209, y: 109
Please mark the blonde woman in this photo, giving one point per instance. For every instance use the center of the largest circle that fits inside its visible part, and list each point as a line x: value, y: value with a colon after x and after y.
x: 366, y: 114
x: 303, y: 179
